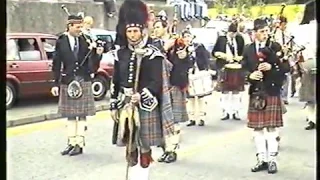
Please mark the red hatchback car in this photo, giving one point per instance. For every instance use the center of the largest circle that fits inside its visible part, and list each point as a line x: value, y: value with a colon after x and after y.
x: 29, y: 63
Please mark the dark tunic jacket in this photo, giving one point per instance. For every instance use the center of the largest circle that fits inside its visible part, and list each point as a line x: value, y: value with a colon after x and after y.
x: 220, y: 46
x: 272, y: 79
x: 202, y: 57
x: 65, y: 59
x: 125, y: 69
x: 179, y: 71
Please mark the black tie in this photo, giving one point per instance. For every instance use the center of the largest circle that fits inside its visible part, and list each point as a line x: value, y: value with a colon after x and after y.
x: 259, y: 46
x: 232, y: 47
x: 283, y: 39
x: 76, y: 48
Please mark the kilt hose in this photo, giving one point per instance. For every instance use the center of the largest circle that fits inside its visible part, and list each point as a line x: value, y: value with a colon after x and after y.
x: 179, y: 104
x: 271, y: 116
x: 83, y: 106
x: 150, y: 133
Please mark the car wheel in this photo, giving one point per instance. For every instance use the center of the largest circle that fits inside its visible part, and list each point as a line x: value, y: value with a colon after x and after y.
x: 11, y: 95
x: 99, y: 87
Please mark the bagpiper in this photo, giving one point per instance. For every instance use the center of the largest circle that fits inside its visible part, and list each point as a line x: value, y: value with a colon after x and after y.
x: 307, y: 91
x: 78, y: 61
x: 228, y: 51
x: 283, y: 37
x: 265, y: 113
x: 178, y: 66
x: 140, y: 104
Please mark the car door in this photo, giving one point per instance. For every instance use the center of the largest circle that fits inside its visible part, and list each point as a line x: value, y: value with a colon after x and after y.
x: 48, y: 46
x: 28, y: 66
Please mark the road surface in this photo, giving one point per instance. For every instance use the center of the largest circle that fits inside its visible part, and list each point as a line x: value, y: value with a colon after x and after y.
x: 221, y: 150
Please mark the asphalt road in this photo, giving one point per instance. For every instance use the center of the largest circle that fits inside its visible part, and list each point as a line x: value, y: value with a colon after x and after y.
x: 222, y: 150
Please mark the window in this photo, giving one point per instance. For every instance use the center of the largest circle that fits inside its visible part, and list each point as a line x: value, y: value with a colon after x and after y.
x: 49, y: 46
x: 28, y: 49
x: 12, y: 50
x: 105, y: 38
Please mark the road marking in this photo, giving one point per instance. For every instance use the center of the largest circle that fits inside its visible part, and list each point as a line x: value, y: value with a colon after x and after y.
x: 207, y: 141
x: 49, y: 125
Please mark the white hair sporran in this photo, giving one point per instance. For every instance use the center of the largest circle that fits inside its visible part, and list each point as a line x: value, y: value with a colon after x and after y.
x: 74, y: 88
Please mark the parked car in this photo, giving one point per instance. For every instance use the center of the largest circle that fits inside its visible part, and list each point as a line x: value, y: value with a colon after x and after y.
x: 29, y: 64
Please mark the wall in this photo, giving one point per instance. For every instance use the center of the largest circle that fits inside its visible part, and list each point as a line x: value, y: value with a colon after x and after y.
x: 48, y: 17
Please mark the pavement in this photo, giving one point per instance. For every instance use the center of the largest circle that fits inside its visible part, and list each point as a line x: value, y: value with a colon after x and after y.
x: 29, y: 111
x: 221, y: 150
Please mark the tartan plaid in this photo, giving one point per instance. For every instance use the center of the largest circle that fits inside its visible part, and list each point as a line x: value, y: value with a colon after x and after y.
x: 83, y: 106
x: 179, y: 105
x: 232, y: 80
x: 271, y: 116
x: 157, y: 124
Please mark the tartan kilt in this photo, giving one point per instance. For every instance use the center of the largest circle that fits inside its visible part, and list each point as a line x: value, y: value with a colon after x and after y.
x: 271, y: 116
x: 232, y: 80
x: 83, y: 106
x: 307, y: 92
x: 235, y: 82
x: 150, y: 129
x: 179, y: 105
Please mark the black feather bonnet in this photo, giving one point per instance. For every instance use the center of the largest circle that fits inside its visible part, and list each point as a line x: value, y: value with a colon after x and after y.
x: 132, y: 13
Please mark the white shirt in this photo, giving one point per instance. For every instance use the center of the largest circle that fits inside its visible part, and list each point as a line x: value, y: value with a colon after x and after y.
x: 262, y: 45
x: 234, y: 42
x: 72, y: 41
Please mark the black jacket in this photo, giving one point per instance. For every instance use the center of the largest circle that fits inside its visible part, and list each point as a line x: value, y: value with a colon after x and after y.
x: 65, y: 59
x: 125, y: 69
x: 221, y: 45
x: 272, y: 79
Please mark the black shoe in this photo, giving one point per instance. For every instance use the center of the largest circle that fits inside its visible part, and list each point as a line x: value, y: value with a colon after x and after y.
x: 293, y: 93
x: 86, y: 128
x: 171, y: 157
x: 260, y: 166
x: 163, y: 157
x: 272, y: 167
x: 285, y: 102
x: 310, y: 126
x: 76, y: 151
x: 201, y: 123
x: 225, y: 117
x: 67, y: 150
x: 191, y: 123
x: 235, y: 117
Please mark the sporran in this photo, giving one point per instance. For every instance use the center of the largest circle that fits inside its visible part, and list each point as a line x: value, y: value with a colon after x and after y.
x: 74, y: 88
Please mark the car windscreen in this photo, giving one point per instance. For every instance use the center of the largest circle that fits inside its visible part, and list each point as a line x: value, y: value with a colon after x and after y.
x: 106, y: 38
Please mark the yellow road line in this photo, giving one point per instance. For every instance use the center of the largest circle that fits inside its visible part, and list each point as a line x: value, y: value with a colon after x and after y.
x: 208, y: 141
x: 49, y: 125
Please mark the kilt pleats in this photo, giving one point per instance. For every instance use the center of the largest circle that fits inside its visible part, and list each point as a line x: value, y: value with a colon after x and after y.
x: 271, y: 116
x: 83, y: 106
x: 179, y: 105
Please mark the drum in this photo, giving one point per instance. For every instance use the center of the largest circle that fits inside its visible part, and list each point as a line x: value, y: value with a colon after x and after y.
x: 200, y: 84
x: 232, y: 78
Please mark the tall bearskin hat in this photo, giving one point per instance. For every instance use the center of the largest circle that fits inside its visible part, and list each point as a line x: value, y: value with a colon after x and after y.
x: 309, y: 12
x: 132, y: 13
